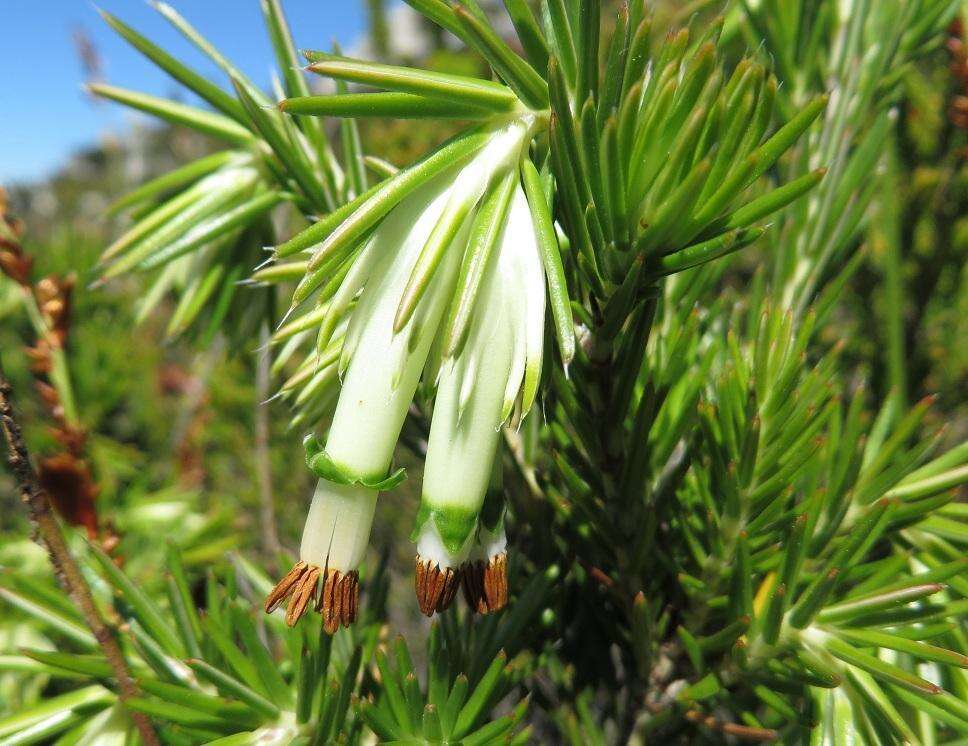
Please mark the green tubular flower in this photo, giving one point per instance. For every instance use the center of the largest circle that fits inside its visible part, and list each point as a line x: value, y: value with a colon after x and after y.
x: 392, y: 301
x: 492, y: 378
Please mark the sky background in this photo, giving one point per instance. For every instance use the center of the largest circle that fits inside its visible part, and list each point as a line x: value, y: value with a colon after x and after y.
x: 44, y: 113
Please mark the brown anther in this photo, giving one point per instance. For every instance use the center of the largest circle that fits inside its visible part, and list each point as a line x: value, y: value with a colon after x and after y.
x: 435, y: 587
x: 486, y: 584
x: 339, y: 599
x: 472, y: 581
x: 349, y: 591
x: 284, y: 587
x: 302, y: 595
x: 332, y: 601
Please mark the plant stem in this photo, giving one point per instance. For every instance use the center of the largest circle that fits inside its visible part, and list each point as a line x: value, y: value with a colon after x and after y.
x: 65, y: 566
x: 263, y: 465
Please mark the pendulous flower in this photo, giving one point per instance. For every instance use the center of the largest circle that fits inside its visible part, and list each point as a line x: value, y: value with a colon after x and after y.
x: 490, y: 378
x: 448, y: 286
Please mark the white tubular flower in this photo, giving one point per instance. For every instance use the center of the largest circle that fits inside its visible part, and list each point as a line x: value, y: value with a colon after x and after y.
x: 492, y: 378
x: 402, y: 282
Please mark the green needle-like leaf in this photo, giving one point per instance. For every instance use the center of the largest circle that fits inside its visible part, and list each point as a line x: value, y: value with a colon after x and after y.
x: 393, y: 105
x: 442, y: 14
x: 52, y: 617
x: 234, y: 688
x: 226, y: 191
x: 471, y: 712
x: 529, y: 33
x: 526, y: 82
x: 768, y: 153
x: 431, y: 724
x: 879, y: 669
x: 144, y: 608
x: 945, y: 707
x: 493, y: 732
x: 183, y: 74
x: 470, y: 92
x: 705, y: 688
x: 282, y: 44
x: 564, y: 38
x: 877, y: 602
x: 769, y: 203
x: 382, y: 723
x: 179, y: 714
x: 458, y: 207
x: 178, y: 178
x: 206, y: 122
x: 920, y: 650
x: 53, y: 706
x: 589, y: 29
x: 394, y: 692
x: 348, y: 225
x: 94, y: 666
x: 203, y: 702
x: 706, y: 251
x: 284, y: 139
x: 237, y: 217
x: 485, y: 232
x: 551, y: 259
x: 455, y: 701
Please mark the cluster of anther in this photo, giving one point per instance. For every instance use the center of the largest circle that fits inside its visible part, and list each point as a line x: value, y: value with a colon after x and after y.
x: 485, y: 585
x: 337, y: 598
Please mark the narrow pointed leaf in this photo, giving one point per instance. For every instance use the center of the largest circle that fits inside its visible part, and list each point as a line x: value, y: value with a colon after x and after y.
x: 206, y: 122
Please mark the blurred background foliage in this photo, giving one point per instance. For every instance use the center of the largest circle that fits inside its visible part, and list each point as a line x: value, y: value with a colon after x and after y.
x: 170, y: 429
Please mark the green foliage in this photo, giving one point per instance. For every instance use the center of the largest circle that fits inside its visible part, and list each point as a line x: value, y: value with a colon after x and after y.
x: 717, y: 531
x: 220, y: 673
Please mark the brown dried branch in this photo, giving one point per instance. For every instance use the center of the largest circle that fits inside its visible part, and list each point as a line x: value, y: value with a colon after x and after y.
x: 65, y: 566
x: 66, y: 476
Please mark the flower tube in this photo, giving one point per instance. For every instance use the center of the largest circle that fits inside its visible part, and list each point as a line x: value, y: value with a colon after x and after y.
x: 463, y: 440
x: 493, y: 378
x: 411, y: 261
x: 377, y: 389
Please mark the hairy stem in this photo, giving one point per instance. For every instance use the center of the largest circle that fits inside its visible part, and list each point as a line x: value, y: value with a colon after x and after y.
x: 65, y: 566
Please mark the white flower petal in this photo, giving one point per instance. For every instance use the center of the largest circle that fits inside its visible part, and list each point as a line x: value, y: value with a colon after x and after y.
x: 337, y: 528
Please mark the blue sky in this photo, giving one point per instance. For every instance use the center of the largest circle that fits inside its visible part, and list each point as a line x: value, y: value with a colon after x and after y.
x: 44, y: 114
